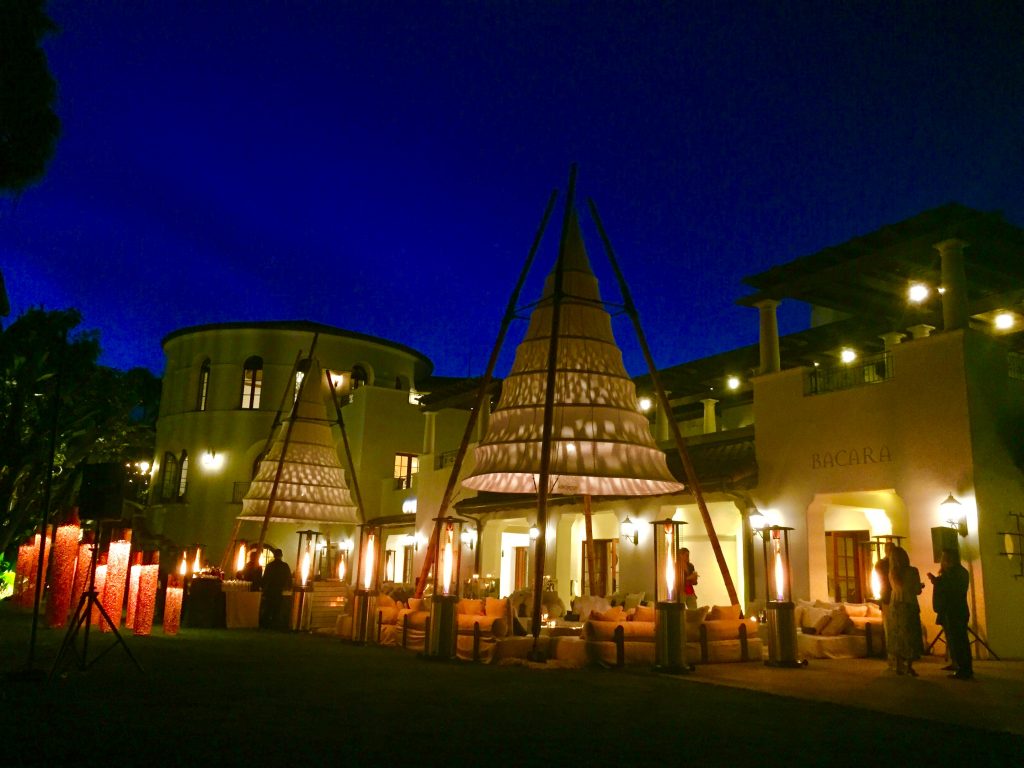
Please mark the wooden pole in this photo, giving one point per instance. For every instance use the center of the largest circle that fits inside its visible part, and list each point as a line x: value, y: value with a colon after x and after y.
x: 485, y: 383
x: 684, y: 454
x: 540, y: 548
x: 588, y: 520
x: 284, y: 448
x: 348, y: 450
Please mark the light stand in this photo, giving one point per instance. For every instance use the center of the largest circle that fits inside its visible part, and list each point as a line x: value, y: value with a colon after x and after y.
x: 82, y: 615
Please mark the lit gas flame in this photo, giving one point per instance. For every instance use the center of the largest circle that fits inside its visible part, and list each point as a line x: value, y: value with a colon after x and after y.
x: 780, y: 575
x: 368, y: 564
x: 304, y: 567
x: 341, y: 568
x: 670, y: 562
x: 197, y: 563
x: 183, y: 567
x: 876, y: 581
x: 447, y: 559
x: 240, y: 559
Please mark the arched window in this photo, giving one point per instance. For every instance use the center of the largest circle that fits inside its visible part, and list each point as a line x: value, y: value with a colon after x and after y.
x: 169, y: 478
x: 204, y: 385
x: 359, y: 377
x: 252, y: 383
x: 183, y: 475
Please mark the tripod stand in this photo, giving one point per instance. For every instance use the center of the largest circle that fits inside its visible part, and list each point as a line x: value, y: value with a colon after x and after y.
x: 82, y: 616
x: 973, y: 639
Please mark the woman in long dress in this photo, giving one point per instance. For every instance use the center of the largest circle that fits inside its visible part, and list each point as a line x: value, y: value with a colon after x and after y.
x: 905, y: 611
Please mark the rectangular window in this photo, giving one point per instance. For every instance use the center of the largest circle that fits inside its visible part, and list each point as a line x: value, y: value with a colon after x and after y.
x: 204, y: 386
x: 252, y: 386
x: 406, y: 465
x: 183, y: 476
x: 845, y: 563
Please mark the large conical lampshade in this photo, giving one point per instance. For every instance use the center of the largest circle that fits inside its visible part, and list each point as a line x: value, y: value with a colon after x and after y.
x: 312, y: 484
x: 601, y: 443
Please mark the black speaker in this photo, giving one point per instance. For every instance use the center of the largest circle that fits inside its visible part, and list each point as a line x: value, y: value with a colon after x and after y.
x: 944, y: 538
x: 101, y: 496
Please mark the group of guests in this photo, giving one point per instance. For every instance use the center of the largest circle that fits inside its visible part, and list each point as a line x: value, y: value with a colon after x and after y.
x: 272, y: 582
x: 901, y: 613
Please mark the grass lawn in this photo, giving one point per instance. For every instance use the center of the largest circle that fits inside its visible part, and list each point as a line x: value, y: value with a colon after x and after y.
x: 212, y: 697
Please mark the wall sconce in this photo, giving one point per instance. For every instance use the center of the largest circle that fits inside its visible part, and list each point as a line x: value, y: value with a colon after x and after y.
x: 409, y: 507
x: 628, y: 531
x: 534, y: 532
x: 469, y: 537
x: 211, y: 461
x: 645, y: 404
x: 757, y: 522
x: 411, y: 540
x: 953, y: 512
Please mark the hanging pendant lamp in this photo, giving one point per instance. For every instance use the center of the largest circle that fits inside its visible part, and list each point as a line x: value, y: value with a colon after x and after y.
x: 311, y: 486
x: 601, y: 442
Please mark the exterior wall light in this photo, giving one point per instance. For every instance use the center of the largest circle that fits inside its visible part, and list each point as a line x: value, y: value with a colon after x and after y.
x: 953, y: 512
x: 212, y: 461
x: 409, y: 507
x: 1004, y: 321
x: 757, y: 522
x: 847, y: 355
x: 733, y: 382
x: 628, y: 531
x: 534, y: 533
x: 645, y: 404
x: 469, y: 537
x: 918, y: 292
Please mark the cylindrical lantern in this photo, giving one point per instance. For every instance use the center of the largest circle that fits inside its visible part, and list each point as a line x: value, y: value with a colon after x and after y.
x: 782, y: 649
x: 134, y: 573
x: 99, y: 584
x: 670, y: 566
x: 62, y: 576
x: 28, y: 559
x: 118, y: 555
x: 82, y: 569
x: 172, y: 604
x: 443, y: 635
x: 240, y: 557
x: 364, y: 601
x: 344, y: 555
x: 149, y: 580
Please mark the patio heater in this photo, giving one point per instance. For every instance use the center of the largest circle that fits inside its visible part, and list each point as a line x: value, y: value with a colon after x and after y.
x: 779, y: 603
x: 669, y: 597
x: 364, y: 601
x: 344, y: 554
x: 443, y: 631
x: 301, y: 603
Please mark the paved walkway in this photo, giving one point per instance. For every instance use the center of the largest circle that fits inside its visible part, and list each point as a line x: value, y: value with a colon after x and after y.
x: 994, y: 700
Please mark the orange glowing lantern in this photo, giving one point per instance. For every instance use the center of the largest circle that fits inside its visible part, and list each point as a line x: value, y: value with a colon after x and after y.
x: 149, y: 580
x: 172, y: 605
x: 118, y: 555
x: 99, y: 584
x: 183, y: 566
x: 305, y: 566
x: 27, y: 568
x: 670, y: 563
x: 82, y: 569
x: 876, y: 582
x: 62, y: 576
x: 197, y: 564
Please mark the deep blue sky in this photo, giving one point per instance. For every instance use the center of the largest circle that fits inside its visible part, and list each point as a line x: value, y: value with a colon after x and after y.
x: 382, y: 166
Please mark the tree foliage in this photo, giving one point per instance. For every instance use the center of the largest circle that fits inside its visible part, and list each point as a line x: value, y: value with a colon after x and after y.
x: 104, y: 414
x: 29, y: 127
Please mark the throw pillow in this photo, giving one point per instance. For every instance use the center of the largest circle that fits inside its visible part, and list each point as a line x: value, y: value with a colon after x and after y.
x: 874, y: 610
x: 615, y: 613
x: 471, y: 607
x: 633, y: 600
x: 837, y: 621
x: 416, y: 603
x: 644, y: 613
x: 724, y: 612
x: 816, y: 619
x: 385, y: 601
x: 494, y: 606
x: 856, y: 609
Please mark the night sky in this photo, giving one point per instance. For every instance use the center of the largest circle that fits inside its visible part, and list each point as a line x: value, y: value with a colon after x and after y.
x: 383, y: 166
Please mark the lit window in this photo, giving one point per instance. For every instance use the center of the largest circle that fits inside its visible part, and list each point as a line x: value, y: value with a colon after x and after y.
x: 183, y: 475
x: 406, y: 465
x: 204, y: 385
x: 252, y: 383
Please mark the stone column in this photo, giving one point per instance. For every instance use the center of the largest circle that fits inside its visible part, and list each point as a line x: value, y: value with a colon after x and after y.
x: 661, y: 425
x: 710, y: 421
x: 891, y: 339
x: 429, y: 431
x: 769, y: 337
x: 954, y: 284
x: 483, y: 421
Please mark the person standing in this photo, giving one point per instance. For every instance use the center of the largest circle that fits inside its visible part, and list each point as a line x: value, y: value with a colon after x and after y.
x: 253, y: 571
x: 906, y: 613
x: 884, y: 601
x: 277, y: 577
x: 689, y: 582
x: 949, y: 599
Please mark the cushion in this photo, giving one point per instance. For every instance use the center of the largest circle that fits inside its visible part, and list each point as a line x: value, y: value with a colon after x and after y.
x: 584, y: 605
x: 644, y: 613
x: 721, y: 612
x: 416, y: 603
x: 856, y: 609
x: 798, y: 611
x: 617, y: 598
x: 615, y: 613
x: 816, y: 619
x: 837, y: 622
x: 726, y: 629
x: 385, y: 601
x: 471, y: 607
x: 496, y: 607
x: 633, y: 600
x: 874, y: 610
x: 693, y: 621
x: 824, y: 604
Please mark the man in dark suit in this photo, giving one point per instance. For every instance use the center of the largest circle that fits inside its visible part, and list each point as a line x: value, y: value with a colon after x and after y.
x: 277, y: 577
x: 949, y: 599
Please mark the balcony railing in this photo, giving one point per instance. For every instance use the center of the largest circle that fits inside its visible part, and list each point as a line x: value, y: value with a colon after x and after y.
x: 870, y: 370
